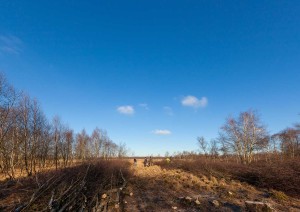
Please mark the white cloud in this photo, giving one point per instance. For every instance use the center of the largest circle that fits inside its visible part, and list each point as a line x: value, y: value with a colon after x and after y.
x: 192, y: 101
x: 126, y: 109
x: 168, y: 111
x: 144, y: 105
x: 10, y: 44
x: 162, y: 132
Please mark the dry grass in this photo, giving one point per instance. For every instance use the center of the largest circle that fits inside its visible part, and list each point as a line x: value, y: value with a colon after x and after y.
x: 279, y: 195
x: 158, y: 188
x: 279, y: 175
x: 190, y: 187
x: 50, y: 166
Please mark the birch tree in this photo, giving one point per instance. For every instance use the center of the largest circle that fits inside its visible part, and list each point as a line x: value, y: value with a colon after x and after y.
x: 244, y: 135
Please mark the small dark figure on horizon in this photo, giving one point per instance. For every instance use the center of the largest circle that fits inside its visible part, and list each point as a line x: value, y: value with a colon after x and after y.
x: 134, y: 162
x: 151, y: 161
x: 145, y: 162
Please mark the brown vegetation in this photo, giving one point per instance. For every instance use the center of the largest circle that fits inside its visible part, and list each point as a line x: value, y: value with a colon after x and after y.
x: 68, y: 189
x: 281, y: 175
x: 183, y: 186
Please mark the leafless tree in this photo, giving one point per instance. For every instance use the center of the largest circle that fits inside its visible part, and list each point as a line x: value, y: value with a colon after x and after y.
x: 97, y: 141
x: 290, y: 141
x: 65, y: 145
x: 122, y: 150
x: 29, y: 142
x: 202, y: 143
x: 8, y: 114
x: 214, y: 150
x: 57, y: 136
x: 25, y: 131
x: 37, y: 125
x: 245, y: 135
x: 44, y: 151
x: 82, y: 142
x: 224, y: 148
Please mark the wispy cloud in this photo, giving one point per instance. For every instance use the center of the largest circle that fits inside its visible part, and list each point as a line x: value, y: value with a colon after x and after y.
x: 162, y: 132
x: 10, y: 44
x: 144, y: 105
x: 126, y: 110
x: 192, y: 101
x: 168, y: 111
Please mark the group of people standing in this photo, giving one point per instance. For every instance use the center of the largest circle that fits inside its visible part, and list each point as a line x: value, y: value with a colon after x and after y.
x: 147, y: 162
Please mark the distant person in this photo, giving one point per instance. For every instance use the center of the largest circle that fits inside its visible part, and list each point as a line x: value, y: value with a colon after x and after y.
x: 168, y: 160
x: 151, y: 161
x: 134, y: 162
x: 145, y: 162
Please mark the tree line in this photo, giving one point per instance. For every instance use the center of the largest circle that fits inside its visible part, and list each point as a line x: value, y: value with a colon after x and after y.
x: 29, y: 141
x: 246, y: 139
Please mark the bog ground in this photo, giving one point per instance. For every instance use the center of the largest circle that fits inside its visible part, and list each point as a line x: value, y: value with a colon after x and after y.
x: 117, y: 185
x: 165, y: 189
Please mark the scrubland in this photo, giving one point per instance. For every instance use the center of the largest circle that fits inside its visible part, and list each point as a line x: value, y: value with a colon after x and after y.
x: 181, y: 185
x: 75, y: 188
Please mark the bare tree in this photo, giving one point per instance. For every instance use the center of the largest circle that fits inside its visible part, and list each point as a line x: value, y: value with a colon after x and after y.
x: 224, y: 148
x: 65, y: 145
x: 214, y: 150
x: 245, y: 135
x: 44, y: 150
x: 25, y: 131
x: 122, y: 150
x: 202, y: 144
x: 290, y: 141
x: 82, y: 141
x: 37, y: 125
x: 56, y: 134
x: 29, y: 142
x: 8, y: 114
x: 97, y: 141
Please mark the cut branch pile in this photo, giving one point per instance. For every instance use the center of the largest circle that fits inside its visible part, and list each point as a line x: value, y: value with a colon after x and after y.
x: 113, y: 197
x: 93, y: 187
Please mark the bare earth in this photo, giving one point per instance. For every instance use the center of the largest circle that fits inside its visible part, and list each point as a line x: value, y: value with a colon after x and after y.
x: 156, y: 189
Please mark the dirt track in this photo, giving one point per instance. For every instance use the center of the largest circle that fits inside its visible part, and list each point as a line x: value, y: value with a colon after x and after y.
x: 152, y: 190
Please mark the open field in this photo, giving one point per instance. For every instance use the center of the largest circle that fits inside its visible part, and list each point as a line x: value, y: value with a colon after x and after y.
x: 182, y: 185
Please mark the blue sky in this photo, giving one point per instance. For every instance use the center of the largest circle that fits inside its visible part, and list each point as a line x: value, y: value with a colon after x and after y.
x: 155, y: 74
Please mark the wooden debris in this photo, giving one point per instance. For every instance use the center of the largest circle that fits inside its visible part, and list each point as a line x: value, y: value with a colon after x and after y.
x: 255, y: 206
